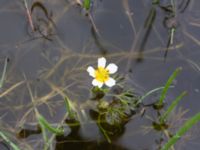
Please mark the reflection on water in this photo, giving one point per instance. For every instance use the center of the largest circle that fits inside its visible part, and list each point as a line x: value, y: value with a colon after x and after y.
x: 48, y: 59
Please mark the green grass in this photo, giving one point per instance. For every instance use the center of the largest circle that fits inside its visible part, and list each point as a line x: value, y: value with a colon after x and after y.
x: 168, y: 84
x: 172, y: 106
x: 188, y: 124
x: 44, y: 123
x: 4, y: 137
x: 149, y: 93
x: 46, y: 126
x: 69, y: 108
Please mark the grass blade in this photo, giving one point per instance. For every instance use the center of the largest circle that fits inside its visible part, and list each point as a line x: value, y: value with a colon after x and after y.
x: 29, y: 15
x: 167, y: 85
x: 45, y: 124
x: 45, y: 136
x: 68, y: 107
x: 149, y: 93
x: 172, y: 106
x: 3, y: 136
x: 4, y: 73
x: 188, y: 124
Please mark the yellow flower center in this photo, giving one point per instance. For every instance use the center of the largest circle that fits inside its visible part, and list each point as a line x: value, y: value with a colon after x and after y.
x: 101, y: 74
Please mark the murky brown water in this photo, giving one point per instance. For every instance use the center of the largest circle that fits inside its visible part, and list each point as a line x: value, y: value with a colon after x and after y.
x: 54, y: 58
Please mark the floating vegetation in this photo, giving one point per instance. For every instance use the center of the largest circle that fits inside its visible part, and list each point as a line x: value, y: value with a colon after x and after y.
x: 92, y: 74
x: 187, y: 125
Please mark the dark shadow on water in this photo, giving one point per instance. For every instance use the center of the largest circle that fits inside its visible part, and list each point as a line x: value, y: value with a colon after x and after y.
x: 147, y: 29
x: 75, y: 141
x: 87, y: 145
x: 4, y: 146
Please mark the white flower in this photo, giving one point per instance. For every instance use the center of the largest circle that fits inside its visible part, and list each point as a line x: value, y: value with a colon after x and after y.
x: 101, y: 74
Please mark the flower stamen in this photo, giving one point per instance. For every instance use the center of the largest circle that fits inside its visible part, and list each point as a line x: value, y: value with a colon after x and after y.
x: 101, y: 74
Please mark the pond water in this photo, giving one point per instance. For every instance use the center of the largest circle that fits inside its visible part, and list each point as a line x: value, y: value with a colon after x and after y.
x: 49, y: 61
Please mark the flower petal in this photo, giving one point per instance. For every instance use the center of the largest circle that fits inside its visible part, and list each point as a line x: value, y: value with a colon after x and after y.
x: 102, y: 62
x: 97, y: 83
x: 110, y: 82
x: 91, y: 71
x: 112, y: 68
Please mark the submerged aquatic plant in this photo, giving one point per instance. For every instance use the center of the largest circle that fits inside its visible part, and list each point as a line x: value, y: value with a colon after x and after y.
x: 167, y: 86
x: 172, y: 106
x: 101, y: 75
x: 188, y: 124
x: 44, y: 123
x: 3, y: 73
x: 163, y: 123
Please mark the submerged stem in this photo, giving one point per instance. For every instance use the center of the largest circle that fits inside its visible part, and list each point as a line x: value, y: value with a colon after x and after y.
x: 4, y: 73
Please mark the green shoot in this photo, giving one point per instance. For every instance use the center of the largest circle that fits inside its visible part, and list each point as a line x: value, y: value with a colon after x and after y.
x: 86, y: 4
x: 167, y: 85
x: 4, y: 137
x: 69, y: 108
x: 43, y: 122
x: 172, y: 32
x: 44, y: 135
x: 188, y: 124
x: 172, y: 106
x: 3, y: 74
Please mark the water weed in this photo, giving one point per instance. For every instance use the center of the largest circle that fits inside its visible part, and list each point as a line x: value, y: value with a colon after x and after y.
x: 97, y: 74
